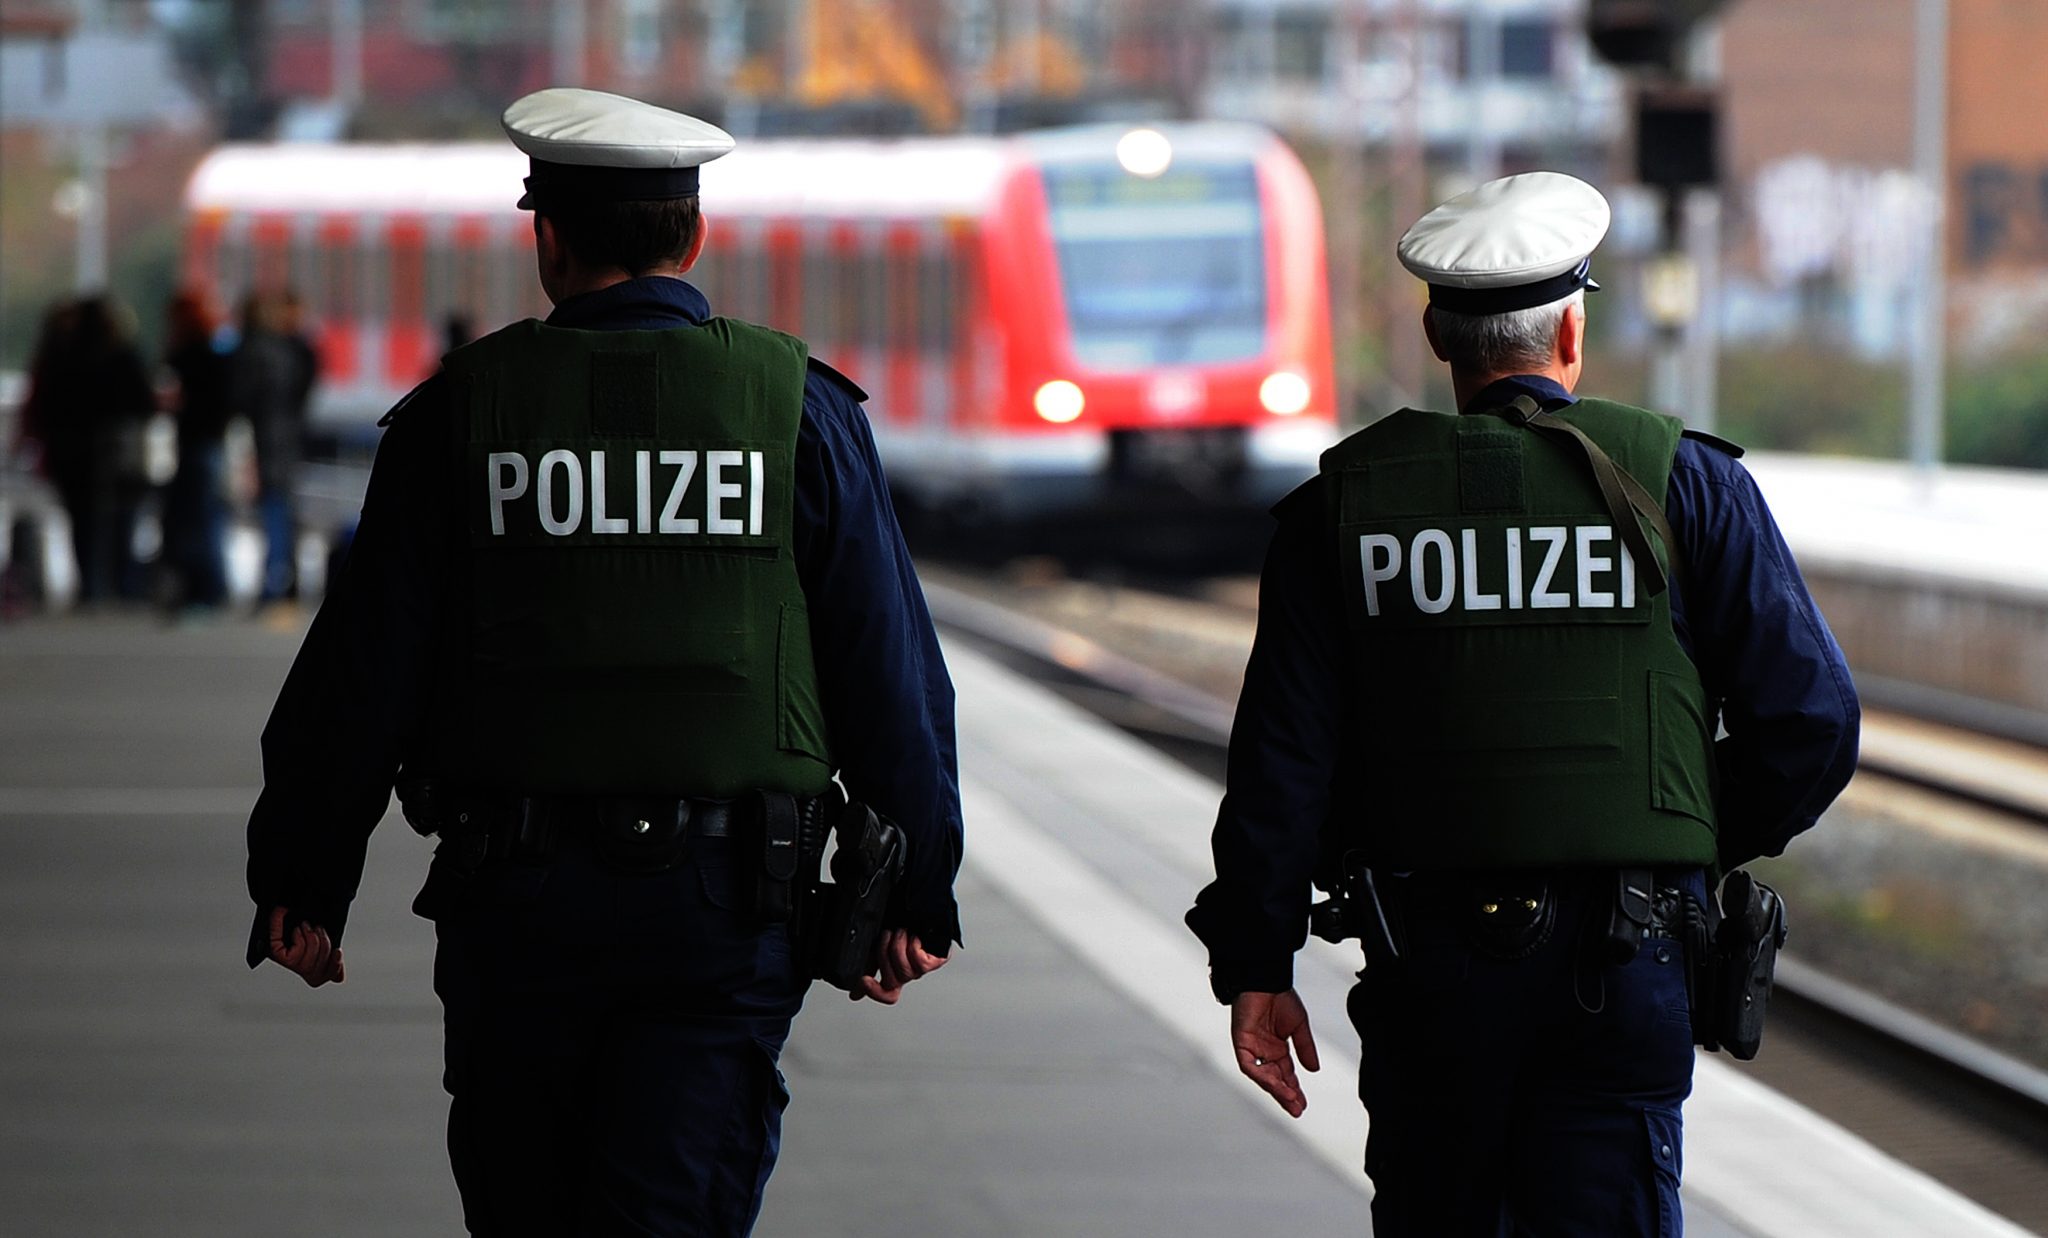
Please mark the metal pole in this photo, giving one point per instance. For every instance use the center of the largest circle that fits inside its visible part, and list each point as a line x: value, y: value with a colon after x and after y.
x: 1345, y: 208
x: 1482, y: 52
x: 570, y: 28
x: 91, y: 271
x: 1930, y: 163
x: 347, y: 16
x: 1409, y: 187
x: 1703, y: 333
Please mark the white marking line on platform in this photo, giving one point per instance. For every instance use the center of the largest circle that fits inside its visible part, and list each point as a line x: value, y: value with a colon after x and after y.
x: 1768, y: 1185
x: 125, y: 801
x: 1753, y: 1156
x: 1160, y: 967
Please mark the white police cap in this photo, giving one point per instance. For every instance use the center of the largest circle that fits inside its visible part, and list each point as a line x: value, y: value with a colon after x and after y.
x: 1511, y: 244
x: 590, y: 146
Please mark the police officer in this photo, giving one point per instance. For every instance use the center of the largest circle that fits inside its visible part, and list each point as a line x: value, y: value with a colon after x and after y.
x: 626, y: 588
x: 1493, y: 651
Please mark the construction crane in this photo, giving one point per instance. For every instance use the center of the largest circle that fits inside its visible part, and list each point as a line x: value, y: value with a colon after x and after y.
x: 865, y: 52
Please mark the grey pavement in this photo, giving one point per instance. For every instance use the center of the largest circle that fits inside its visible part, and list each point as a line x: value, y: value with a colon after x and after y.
x: 149, y: 1083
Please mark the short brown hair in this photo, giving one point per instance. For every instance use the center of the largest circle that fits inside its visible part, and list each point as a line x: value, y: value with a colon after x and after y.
x: 635, y: 237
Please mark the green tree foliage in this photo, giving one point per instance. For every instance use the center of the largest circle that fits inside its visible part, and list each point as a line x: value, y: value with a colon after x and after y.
x: 1998, y: 413
x: 1797, y: 398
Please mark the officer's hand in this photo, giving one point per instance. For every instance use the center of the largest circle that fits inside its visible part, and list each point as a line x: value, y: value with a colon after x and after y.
x: 310, y: 952
x: 902, y: 960
x: 1261, y: 1024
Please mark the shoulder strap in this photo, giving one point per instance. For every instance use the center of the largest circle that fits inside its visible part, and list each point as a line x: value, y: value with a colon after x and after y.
x: 1618, y: 489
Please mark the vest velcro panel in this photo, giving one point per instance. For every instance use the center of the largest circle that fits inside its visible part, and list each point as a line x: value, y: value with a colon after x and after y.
x: 1523, y: 701
x: 636, y: 620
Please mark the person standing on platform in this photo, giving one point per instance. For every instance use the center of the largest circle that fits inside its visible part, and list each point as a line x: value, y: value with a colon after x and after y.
x: 273, y: 382
x: 626, y: 593
x: 1492, y: 656
x: 195, y: 508
x: 89, y: 405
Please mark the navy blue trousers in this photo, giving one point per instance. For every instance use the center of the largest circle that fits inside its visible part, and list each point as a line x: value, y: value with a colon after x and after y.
x: 612, y: 1041
x: 1535, y: 1097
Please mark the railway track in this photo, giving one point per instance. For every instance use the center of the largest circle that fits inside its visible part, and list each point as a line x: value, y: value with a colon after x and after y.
x: 1957, y: 1109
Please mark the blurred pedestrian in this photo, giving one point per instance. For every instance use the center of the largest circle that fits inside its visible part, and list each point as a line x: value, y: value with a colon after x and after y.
x: 273, y: 380
x: 457, y: 329
x: 196, y: 507
x: 1493, y: 653
x: 88, y: 407
x: 627, y: 609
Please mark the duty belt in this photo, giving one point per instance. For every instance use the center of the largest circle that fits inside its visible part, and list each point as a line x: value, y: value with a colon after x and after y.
x: 642, y: 833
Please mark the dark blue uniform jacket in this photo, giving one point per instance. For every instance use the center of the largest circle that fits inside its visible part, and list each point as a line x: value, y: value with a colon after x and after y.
x: 1743, y: 615
x: 356, y: 698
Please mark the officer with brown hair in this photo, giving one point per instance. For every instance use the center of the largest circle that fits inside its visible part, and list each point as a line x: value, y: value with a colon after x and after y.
x: 626, y: 598
x: 1494, y: 650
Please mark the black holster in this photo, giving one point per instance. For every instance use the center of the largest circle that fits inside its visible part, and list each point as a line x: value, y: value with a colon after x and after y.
x: 1733, y: 975
x: 1357, y: 907
x: 841, y: 922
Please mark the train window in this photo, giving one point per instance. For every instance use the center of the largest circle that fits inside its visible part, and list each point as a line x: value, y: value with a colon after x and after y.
x: 892, y: 305
x: 408, y: 272
x: 469, y: 258
x: 232, y: 262
x: 852, y: 290
x: 751, y: 290
x: 438, y: 283
x: 271, y: 239
x: 963, y: 290
x: 785, y: 278
x: 1165, y: 271
x: 820, y: 274
x: 738, y: 285
x: 938, y: 301
x: 307, y: 270
x: 334, y: 290
x: 376, y: 269
x: 875, y: 292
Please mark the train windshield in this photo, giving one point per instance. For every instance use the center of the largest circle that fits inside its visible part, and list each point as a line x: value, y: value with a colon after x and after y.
x: 1167, y: 270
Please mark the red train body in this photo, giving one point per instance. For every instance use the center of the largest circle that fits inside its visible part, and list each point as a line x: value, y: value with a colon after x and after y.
x: 1057, y: 320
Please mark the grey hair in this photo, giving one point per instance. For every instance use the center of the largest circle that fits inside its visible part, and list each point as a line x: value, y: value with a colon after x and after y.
x: 1512, y: 343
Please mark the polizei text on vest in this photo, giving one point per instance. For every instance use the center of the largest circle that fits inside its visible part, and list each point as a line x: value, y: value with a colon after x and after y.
x: 1511, y: 568
x: 687, y: 493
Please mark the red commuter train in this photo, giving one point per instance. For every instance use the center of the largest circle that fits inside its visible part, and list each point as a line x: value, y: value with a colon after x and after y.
x: 1058, y: 320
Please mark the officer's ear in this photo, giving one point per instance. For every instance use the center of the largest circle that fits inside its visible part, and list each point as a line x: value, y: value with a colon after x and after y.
x: 696, y: 249
x: 1571, y: 336
x: 1429, y: 331
x: 549, y: 251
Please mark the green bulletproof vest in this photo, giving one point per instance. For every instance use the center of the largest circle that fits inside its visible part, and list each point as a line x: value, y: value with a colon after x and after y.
x: 635, y: 624
x: 1523, y: 699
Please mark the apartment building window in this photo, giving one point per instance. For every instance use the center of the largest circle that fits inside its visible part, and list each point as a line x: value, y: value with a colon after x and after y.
x: 640, y: 36
x: 1528, y: 48
x: 1299, y: 37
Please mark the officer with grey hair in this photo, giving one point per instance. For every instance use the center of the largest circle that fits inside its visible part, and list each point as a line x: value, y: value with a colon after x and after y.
x: 627, y: 610
x: 1494, y: 652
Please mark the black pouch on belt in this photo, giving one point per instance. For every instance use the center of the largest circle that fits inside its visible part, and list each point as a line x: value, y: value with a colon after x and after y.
x: 843, y: 918
x: 1508, y: 916
x: 1629, y: 919
x: 774, y: 888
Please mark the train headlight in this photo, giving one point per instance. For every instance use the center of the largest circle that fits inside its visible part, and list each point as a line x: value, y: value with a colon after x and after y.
x: 1284, y: 393
x: 1144, y: 152
x: 1059, y: 401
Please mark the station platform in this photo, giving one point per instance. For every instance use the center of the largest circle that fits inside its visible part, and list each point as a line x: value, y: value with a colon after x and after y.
x: 1954, y: 526
x: 1067, y: 1074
